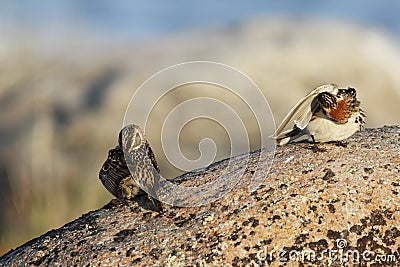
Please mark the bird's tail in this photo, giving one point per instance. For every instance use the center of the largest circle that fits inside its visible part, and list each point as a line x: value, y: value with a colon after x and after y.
x: 289, y: 136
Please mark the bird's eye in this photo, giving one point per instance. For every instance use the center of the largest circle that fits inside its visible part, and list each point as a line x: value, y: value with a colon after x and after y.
x: 351, y: 91
x: 341, y: 92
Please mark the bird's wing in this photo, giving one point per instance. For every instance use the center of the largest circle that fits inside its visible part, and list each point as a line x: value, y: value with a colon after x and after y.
x: 302, y: 112
x: 113, y: 171
x: 150, y: 154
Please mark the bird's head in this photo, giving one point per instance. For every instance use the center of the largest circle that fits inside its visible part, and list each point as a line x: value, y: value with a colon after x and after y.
x: 130, y: 138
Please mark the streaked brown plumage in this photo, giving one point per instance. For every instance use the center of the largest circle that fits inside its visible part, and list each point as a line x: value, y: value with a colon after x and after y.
x: 132, y: 156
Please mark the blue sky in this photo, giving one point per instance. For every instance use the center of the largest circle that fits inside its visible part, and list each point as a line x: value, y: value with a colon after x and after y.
x: 141, y: 19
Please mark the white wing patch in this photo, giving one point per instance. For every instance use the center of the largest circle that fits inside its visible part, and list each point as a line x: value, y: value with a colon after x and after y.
x: 302, y: 112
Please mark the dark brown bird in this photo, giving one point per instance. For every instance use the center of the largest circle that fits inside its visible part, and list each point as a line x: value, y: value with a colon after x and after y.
x: 132, y: 157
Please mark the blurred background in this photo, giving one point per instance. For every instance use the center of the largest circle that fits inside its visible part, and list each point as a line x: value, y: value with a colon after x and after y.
x: 69, y: 68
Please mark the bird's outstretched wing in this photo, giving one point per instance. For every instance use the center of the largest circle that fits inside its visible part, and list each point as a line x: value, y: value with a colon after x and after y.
x: 150, y: 154
x: 302, y: 112
x: 113, y: 171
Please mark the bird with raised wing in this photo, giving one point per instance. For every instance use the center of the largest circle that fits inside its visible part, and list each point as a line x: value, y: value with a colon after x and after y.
x: 326, y: 114
x: 132, y: 157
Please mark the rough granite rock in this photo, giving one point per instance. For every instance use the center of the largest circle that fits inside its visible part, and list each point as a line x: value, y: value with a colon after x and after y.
x: 341, y: 204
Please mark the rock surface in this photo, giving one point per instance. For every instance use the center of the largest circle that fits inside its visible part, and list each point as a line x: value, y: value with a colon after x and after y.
x: 341, y: 204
